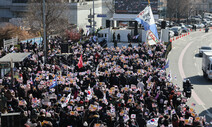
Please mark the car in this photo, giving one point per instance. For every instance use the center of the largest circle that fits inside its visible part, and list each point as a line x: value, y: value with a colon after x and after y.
x: 200, y: 25
x: 185, y: 29
x: 177, y: 30
x: 182, y: 25
x: 171, y: 33
x: 189, y: 26
x: 204, y: 49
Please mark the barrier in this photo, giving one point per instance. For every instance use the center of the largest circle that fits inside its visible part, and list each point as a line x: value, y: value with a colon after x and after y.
x: 38, y: 40
x: 11, y: 120
x: 7, y: 43
x: 168, y: 48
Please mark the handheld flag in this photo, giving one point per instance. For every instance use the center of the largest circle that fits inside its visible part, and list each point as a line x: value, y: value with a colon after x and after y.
x: 54, y: 83
x: 80, y: 63
x: 66, y: 101
x: 32, y: 80
x: 169, y: 77
x: 89, y: 93
x: 146, y: 18
x: 167, y: 65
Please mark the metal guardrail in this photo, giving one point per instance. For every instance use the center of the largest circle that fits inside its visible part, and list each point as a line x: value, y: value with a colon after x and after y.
x: 13, y: 41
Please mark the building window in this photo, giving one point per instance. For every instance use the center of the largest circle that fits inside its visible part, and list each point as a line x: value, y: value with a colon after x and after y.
x: 4, y: 19
x: 20, y: 1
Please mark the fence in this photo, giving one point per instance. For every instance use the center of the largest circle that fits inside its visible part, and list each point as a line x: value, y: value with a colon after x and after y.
x: 13, y: 41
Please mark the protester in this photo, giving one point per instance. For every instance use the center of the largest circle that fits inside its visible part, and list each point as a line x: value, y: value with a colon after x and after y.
x: 114, y: 37
x: 122, y: 86
x: 129, y: 37
x: 118, y: 37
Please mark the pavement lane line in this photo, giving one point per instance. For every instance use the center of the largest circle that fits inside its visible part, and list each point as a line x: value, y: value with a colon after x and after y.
x: 209, y: 114
x: 182, y: 74
x: 210, y: 89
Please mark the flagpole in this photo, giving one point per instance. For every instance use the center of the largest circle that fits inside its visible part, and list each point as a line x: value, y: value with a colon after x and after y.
x: 57, y: 85
x: 147, y: 32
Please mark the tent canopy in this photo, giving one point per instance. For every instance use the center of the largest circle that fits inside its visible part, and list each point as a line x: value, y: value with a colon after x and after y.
x: 104, y: 31
x: 15, y: 57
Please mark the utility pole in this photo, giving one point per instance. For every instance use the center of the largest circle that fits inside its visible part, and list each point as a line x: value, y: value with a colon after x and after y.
x: 90, y: 19
x: 93, y: 18
x: 12, y: 73
x: 176, y: 9
x: 44, y: 31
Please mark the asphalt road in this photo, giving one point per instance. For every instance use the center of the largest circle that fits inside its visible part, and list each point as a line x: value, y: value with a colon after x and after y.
x: 186, y: 63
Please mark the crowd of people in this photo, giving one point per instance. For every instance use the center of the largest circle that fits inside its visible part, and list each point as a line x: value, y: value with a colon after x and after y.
x: 113, y: 87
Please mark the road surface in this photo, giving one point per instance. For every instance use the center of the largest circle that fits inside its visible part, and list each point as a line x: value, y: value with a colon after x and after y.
x: 186, y: 63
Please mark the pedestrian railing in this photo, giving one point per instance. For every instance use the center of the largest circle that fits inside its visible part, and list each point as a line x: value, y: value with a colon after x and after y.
x: 13, y: 41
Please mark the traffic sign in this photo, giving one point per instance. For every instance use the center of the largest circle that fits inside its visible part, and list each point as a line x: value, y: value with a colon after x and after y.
x: 101, y: 15
x: 88, y: 26
x: 90, y: 16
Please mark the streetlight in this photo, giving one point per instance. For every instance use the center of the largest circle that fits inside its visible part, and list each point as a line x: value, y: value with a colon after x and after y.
x: 12, y: 75
x: 93, y: 18
x: 44, y: 31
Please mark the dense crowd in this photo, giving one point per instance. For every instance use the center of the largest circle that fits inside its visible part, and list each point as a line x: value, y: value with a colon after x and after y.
x: 122, y: 86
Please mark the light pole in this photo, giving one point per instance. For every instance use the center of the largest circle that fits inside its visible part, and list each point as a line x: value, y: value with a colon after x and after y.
x: 176, y: 10
x: 12, y: 75
x: 93, y: 18
x: 44, y: 31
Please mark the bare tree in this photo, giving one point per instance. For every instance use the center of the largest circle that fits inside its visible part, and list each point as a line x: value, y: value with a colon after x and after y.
x: 8, y: 31
x: 56, y: 18
x: 178, y: 9
x: 110, y: 4
x: 170, y: 9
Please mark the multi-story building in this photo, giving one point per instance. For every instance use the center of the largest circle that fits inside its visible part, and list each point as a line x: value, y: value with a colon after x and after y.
x: 12, y: 9
x: 107, y: 12
x: 202, y: 6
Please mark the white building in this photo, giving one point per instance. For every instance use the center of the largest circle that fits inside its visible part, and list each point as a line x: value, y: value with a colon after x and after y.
x: 78, y: 12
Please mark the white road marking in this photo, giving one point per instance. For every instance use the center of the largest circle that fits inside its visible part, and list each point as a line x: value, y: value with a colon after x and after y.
x: 182, y: 73
x: 195, y: 64
x: 208, y: 112
x: 210, y: 89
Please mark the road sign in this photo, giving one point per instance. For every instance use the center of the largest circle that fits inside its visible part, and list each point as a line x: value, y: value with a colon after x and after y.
x: 90, y: 16
x: 101, y: 15
x: 88, y: 26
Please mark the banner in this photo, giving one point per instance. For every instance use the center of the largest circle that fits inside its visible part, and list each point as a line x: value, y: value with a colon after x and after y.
x: 151, y: 38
